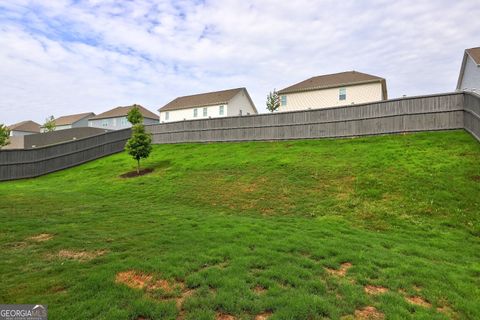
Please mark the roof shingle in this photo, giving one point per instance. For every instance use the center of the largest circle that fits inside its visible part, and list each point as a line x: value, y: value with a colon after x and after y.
x: 474, y: 53
x: 123, y: 111
x: 72, y: 118
x: 26, y: 126
x: 201, y: 100
x: 334, y: 80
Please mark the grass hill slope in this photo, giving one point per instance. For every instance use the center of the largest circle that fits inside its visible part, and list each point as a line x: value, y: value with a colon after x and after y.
x: 380, y: 227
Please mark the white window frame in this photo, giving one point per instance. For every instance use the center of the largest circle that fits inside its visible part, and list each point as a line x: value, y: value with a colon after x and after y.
x: 221, y: 110
x: 342, y: 94
x: 167, y: 116
x: 283, y: 100
x: 205, y: 112
x: 195, y: 112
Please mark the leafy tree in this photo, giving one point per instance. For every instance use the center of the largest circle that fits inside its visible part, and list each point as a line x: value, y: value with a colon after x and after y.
x: 273, y: 101
x: 134, y: 116
x: 139, y: 145
x: 49, y: 124
x: 4, y: 134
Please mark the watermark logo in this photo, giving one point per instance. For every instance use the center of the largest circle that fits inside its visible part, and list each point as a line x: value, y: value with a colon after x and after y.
x: 23, y: 312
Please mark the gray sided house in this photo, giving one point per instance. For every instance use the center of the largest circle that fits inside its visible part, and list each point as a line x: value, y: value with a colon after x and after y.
x: 469, y: 78
x: 116, y: 118
x: 72, y: 121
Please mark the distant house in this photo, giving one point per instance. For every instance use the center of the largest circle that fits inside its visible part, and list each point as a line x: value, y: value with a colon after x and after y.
x: 232, y: 102
x: 116, y: 119
x: 345, y: 88
x: 469, y: 78
x: 72, y: 121
x: 24, y: 128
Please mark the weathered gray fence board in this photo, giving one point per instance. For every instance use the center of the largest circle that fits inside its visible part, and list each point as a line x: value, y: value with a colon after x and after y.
x: 18, y: 164
x: 472, y: 114
x: 426, y: 113
x: 436, y: 112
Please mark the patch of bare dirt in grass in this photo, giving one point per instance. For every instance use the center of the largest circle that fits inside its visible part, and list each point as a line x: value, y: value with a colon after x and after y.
x: 224, y: 316
x: 133, y: 174
x: 449, y: 312
x: 263, y: 316
x: 374, y: 290
x: 419, y: 301
x: 369, y: 313
x: 41, y: 237
x: 80, y: 255
x: 258, y: 289
x: 476, y: 178
x: 139, y: 280
x: 340, y: 272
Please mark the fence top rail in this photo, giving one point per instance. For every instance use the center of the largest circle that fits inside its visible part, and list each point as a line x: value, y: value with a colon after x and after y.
x: 316, y: 109
x: 471, y: 93
x: 65, y: 142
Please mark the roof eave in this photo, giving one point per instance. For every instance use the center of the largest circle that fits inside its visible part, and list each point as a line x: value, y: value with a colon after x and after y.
x: 162, y: 109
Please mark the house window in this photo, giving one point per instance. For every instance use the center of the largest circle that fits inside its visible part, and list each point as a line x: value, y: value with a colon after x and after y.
x: 105, y: 123
x: 167, y: 115
x: 124, y: 122
x: 204, y: 112
x: 195, y: 113
x: 342, y: 94
x: 283, y: 100
x: 220, y: 111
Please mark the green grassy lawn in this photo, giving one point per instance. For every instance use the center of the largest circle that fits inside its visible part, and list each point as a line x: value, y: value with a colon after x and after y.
x: 277, y: 230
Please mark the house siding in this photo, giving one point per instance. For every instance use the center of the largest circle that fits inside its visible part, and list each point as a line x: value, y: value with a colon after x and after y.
x: 187, y: 114
x: 240, y: 102
x: 323, y: 98
x: 116, y: 123
x: 471, y: 76
x: 15, y: 133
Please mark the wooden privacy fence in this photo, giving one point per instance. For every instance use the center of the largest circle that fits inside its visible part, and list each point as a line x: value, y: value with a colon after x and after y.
x: 471, y: 120
x: 425, y: 113
x: 27, y: 163
x: 435, y: 112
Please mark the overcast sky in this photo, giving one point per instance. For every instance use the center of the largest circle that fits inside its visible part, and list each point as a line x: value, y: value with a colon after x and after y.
x: 62, y: 57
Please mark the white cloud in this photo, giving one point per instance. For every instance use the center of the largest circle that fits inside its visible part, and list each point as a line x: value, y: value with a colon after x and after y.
x: 61, y: 57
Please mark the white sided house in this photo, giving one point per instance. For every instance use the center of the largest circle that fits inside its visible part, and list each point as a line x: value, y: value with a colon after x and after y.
x: 116, y: 118
x: 333, y: 90
x: 469, y: 78
x: 24, y: 128
x: 226, y: 103
x: 71, y: 121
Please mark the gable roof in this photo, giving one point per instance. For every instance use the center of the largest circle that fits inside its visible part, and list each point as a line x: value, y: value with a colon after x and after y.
x: 203, y: 99
x: 335, y: 80
x: 474, y: 54
x: 123, y: 111
x: 26, y: 126
x: 72, y: 118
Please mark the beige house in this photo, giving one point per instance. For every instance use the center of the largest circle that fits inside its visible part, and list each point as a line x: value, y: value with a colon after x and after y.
x: 332, y: 90
x: 226, y: 103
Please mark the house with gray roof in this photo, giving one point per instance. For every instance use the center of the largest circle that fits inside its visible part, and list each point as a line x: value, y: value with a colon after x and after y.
x: 72, y: 121
x: 333, y: 90
x: 116, y: 118
x: 469, y: 77
x: 225, y: 103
